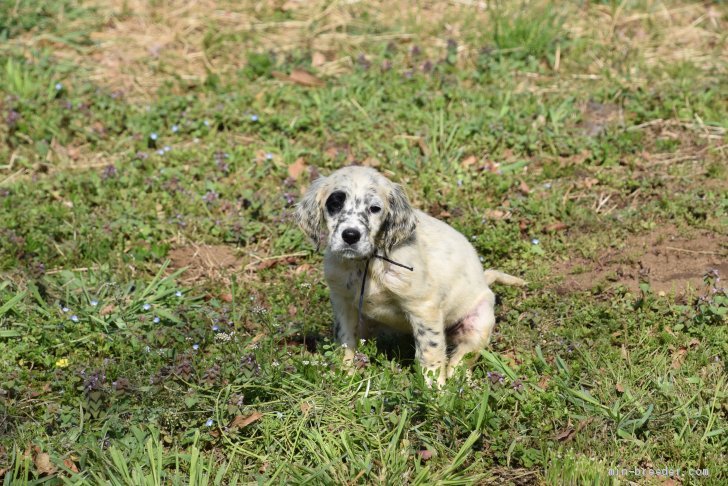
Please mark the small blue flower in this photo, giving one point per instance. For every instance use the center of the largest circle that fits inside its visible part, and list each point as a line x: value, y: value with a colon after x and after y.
x: 160, y: 152
x: 167, y: 148
x: 195, y: 347
x: 74, y: 318
x: 207, y: 123
x: 156, y: 320
x: 94, y: 303
x: 65, y: 309
x: 153, y: 136
x: 215, y: 328
x: 547, y: 185
x: 59, y: 86
x: 254, y: 118
x: 535, y: 241
x: 175, y: 128
x: 209, y: 422
x: 146, y: 307
x: 178, y: 293
x: 268, y: 156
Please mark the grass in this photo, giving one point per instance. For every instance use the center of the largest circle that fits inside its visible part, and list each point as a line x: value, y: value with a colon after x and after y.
x: 163, y: 321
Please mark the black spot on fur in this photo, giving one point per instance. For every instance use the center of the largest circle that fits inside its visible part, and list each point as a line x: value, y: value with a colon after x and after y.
x: 432, y: 344
x: 420, y: 332
x: 335, y: 202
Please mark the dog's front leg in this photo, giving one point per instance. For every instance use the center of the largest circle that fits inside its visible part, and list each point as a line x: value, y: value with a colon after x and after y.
x: 345, y: 327
x: 430, y: 345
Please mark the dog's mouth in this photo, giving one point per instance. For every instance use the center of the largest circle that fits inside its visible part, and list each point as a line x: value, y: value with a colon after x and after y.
x: 352, y: 254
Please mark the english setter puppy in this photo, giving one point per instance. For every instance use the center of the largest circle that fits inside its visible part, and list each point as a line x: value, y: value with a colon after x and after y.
x: 389, y: 264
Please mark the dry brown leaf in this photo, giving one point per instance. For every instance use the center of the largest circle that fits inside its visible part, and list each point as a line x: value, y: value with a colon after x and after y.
x: 304, y: 78
x: 425, y: 454
x: 678, y: 357
x: 557, y: 226
x: 43, y: 464
x: 70, y: 465
x: 318, y: 59
x: 523, y: 187
x: 306, y: 407
x: 331, y: 152
x: 543, y: 383
x: 565, y: 434
x: 497, y: 214
x: 108, y: 309
x: 239, y: 421
x: 297, y: 168
x: 468, y: 161
x: 226, y: 297
x: 587, y: 183
x: 619, y: 387
x: 371, y: 162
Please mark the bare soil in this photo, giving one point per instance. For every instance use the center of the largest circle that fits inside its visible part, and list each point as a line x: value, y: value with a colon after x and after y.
x: 211, y: 262
x: 668, y: 261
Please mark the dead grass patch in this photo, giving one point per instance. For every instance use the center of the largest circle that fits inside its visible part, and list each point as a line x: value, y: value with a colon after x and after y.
x: 669, y: 261
x: 205, y: 262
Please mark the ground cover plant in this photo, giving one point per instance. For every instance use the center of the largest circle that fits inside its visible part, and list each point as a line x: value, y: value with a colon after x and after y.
x: 163, y: 321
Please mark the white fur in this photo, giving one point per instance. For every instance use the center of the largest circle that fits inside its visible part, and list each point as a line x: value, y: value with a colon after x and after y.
x: 445, y: 300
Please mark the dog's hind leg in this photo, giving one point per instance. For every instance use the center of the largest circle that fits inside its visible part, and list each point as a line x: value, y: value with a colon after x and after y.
x: 472, y: 334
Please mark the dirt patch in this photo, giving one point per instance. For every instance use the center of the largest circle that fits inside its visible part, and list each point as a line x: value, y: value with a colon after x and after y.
x: 207, y: 262
x: 668, y: 261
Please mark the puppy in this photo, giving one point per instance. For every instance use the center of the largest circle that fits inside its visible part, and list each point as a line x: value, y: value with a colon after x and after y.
x: 389, y: 264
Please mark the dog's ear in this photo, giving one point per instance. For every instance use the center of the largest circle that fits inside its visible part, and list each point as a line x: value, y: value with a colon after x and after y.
x: 310, y: 211
x: 400, y: 221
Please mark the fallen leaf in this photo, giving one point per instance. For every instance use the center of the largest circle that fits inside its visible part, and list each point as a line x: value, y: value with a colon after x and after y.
x: 423, y: 147
x: 557, y: 226
x: 523, y: 187
x: 43, y: 464
x: 318, y: 59
x: 543, y: 383
x: 371, y: 162
x: 304, y: 267
x: 565, y: 434
x: 678, y: 357
x: 226, y: 297
x: 425, y: 454
x: 331, y: 152
x: 304, y: 78
x: 108, y: 309
x: 70, y: 465
x: 305, y: 407
x: 297, y: 168
x: 468, y: 161
x: 587, y: 183
x: 619, y: 387
x: 496, y: 214
x: 239, y: 421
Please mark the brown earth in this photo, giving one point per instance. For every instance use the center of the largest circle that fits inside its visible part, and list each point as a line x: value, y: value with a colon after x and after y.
x: 668, y: 261
x: 204, y: 261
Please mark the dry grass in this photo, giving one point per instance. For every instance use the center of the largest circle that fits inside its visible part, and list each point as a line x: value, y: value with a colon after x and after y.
x: 145, y: 43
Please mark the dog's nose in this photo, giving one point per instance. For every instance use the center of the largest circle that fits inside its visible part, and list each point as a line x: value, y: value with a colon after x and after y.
x: 351, y: 236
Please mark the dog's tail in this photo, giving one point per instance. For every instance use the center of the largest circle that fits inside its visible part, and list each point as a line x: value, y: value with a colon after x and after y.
x: 492, y: 276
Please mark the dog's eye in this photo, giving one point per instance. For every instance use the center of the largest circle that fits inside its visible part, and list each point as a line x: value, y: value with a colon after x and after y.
x: 335, y: 202
x: 375, y: 209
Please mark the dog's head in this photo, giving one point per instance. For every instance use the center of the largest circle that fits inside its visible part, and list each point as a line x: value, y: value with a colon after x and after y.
x: 359, y: 209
